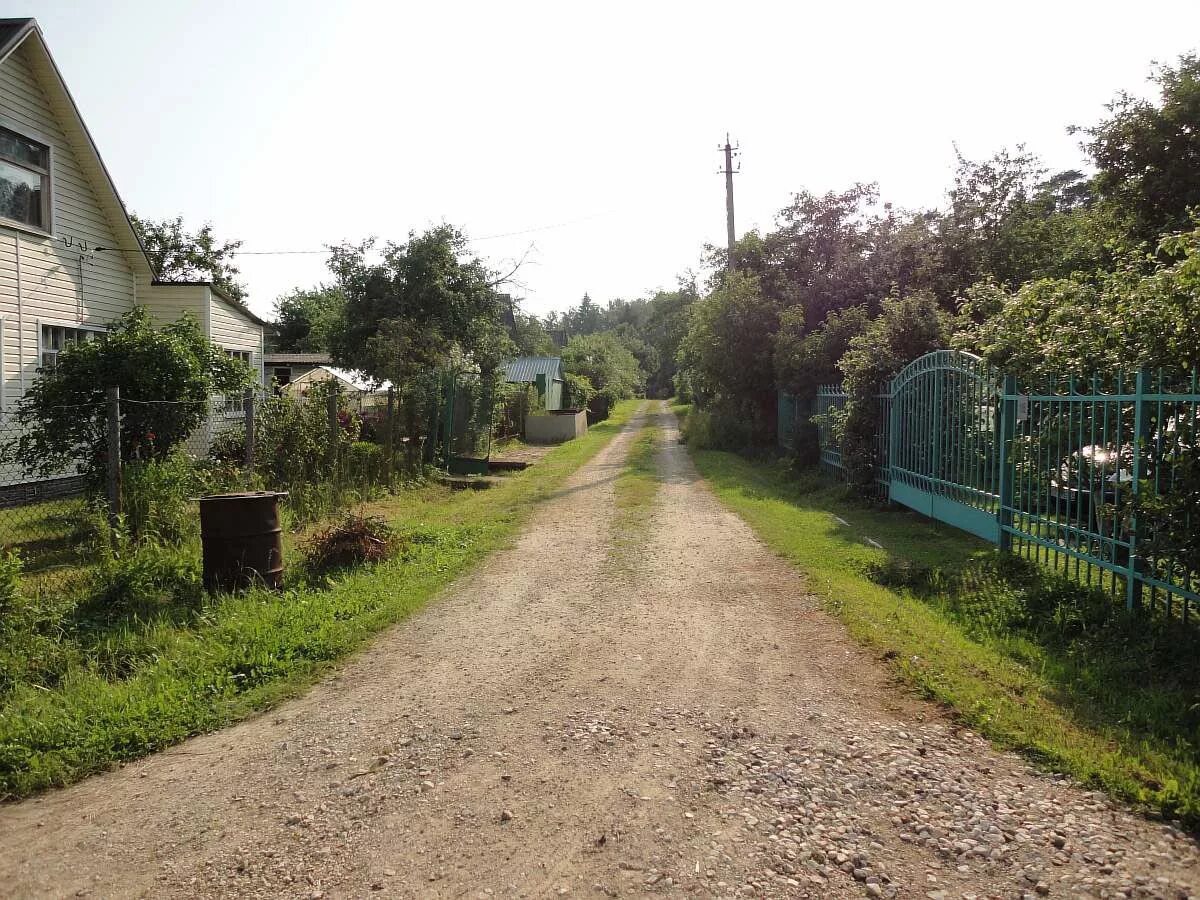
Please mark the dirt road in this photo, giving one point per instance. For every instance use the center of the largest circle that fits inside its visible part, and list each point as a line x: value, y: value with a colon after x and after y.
x: 582, y: 718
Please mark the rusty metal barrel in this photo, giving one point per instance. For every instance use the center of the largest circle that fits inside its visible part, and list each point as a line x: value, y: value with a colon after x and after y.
x: 242, y: 540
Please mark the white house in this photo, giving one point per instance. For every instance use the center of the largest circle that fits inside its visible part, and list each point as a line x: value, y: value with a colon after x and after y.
x: 70, y: 261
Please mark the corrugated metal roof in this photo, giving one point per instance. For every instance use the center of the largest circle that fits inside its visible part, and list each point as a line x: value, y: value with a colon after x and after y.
x: 283, y: 358
x: 527, y: 368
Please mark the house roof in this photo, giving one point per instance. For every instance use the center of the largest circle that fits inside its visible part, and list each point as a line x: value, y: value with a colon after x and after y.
x: 358, y: 381
x: 304, y: 359
x: 15, y: 33
x: 527, y: 368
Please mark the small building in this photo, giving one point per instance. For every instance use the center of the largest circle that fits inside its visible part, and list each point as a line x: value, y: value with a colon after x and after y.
x: 546, y: 373
x: 362, y: 391
x: 283, y: 367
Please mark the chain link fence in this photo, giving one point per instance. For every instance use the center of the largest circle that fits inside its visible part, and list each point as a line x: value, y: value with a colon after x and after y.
x: 146, y: 462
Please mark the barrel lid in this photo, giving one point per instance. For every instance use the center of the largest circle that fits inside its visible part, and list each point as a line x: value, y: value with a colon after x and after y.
x: 244, y: 495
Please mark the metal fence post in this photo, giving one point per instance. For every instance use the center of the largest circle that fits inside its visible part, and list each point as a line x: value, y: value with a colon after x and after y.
x: 248, y: 407
x: 113, y: 481
x: 390, y: 437
x: 1008, y: 431
x: 1133, y: 571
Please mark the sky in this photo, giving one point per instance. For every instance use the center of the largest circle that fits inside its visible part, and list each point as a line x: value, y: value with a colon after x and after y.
x: 583, y: 139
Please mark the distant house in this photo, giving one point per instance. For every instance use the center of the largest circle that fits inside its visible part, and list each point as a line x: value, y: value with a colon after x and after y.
x: 70, y: 261
x: 283, y: 368
x: 546, y: 373
x: 362, y: 392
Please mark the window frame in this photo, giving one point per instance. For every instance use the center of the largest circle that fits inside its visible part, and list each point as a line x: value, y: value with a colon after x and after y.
x: 46, y: 229
x: 49, y: 323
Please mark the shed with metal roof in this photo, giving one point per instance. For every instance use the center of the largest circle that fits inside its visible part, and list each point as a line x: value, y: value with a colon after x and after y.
x: 544, y: 372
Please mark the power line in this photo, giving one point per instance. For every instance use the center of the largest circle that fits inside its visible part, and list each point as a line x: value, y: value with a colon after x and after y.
x: 328, y: 250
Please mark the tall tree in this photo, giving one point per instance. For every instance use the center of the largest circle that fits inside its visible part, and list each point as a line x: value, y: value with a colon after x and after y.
x: 1148, y: 154
x: 306, y: 320
x: 177, y: 254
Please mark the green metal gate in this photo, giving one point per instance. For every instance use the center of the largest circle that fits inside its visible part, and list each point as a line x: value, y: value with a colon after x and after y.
x: 943, y: 438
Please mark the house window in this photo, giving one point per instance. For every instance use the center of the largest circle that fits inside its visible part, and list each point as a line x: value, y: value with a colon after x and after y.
x: 236, y: 406
x: 56, y: 338
x: 24, y: 180
x: 282, y: 376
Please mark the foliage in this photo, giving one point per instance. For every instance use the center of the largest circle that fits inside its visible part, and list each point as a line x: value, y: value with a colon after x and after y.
x: 1146, y: 154
x: 157, y: 494
x: 530, y: 336
x: 1145, y: 312
x: 355, y: 540
x: 166, y: 377
x: 1031, y: 660
x: 805, y: 359
x: 906, y: 328
x: 297, y: 449
x: 605, y: 362
x: 727, y: 352
x: 305, y: 320
x: 577, y: 391
x: 424, y: 305
x: 179, y: 255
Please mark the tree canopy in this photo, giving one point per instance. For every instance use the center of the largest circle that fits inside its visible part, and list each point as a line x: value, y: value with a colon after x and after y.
x: 177, y: 254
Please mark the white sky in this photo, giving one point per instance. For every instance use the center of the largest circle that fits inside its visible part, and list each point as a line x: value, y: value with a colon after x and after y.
x: 292, y: 124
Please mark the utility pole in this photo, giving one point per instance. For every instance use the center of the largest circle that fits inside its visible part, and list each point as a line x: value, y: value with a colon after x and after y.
x: 729, y: 171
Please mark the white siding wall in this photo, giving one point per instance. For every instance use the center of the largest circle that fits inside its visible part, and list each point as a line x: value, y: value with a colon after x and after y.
x: 59, y: 284
x: 233, y: 331
x: 169, y: 303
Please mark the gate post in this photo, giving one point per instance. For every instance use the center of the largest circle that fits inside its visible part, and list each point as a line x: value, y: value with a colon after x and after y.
x: 1008, y: 430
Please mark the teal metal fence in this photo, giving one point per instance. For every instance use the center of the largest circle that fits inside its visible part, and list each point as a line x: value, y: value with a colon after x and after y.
x: 1055, y: 471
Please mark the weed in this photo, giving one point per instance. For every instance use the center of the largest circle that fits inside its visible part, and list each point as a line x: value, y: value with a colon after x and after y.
x: 355, y: 540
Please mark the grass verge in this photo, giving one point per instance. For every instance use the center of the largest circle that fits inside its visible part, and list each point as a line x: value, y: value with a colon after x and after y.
x: 133, y: 685
x: 1025, y: 657
x: 634, y: 492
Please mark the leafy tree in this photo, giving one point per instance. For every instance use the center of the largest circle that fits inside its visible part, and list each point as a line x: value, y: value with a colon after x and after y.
x: 906, y: 328
x: 167, y: 376
x: 426, y: 304
x: 1146, y: 312
x: 179, y: 255
x: 1148, y: 154
x: 727, y: 353
x: 306, y: 320
x: 530, y: 336
x: 806, y: 360
x: 423, y: 304
x: 605, y: 362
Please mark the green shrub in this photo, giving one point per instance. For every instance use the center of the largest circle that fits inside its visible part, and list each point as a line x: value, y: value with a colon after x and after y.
x: 601, y: 404
x: 157, y: 496
x: 366, y: 463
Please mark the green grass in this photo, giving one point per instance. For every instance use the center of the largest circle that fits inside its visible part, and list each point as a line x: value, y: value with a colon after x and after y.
x: 132, y: 683
x: 634, y: 492
x: 1027, y: 658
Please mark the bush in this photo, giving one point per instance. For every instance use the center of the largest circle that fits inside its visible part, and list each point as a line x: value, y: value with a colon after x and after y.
x: 720, y: 427
x: 578, y: 391
x: 366, y: 463
x: 156, y: 495
x: 353, y: 541
x: 601, y: 404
